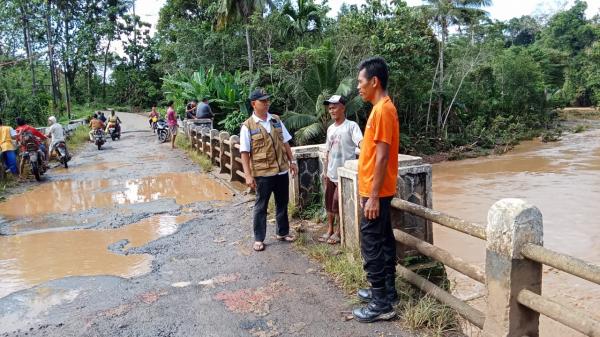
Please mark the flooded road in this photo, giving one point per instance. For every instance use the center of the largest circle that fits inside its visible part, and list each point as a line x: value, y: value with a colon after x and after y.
x: 33, y: 258
x: 134, y: 241
x: 562, y: 179
x: 56, y: 225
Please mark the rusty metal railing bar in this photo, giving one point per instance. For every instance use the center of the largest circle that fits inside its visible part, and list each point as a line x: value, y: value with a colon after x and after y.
x: 571, y: 317
x: 564, y: 262
x: 468, y: 312
x: 441, y: 255
x: 455, y: 223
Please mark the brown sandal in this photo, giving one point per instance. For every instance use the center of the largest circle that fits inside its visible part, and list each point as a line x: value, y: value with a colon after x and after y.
x: 286, y: 238
x: 334, y: 239
x: 258, y: 246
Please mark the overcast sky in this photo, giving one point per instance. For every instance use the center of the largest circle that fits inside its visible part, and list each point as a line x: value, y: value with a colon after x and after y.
x: 501, y: 9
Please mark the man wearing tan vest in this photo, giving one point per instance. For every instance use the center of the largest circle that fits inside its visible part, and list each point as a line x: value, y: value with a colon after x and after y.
x: 267, y: 159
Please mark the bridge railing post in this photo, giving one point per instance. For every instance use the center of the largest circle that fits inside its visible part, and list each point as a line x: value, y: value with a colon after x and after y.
x: 511, y: 224
x: 235, y: 156
x: 224, y: 148
x: 214, y: 146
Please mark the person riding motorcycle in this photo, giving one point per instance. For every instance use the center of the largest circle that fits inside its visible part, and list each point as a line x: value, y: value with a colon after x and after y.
x: 95, y: 124
x: 38, y: 137
x: 57, y: 135
x: 153, y: 116
x: 114, y: 120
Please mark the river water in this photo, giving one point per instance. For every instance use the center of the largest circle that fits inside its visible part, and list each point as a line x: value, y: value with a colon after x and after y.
x: 562, y: 179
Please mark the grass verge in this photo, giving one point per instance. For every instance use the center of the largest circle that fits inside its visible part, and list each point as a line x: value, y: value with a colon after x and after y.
x: 417, y: 311
x: 201, y: 159
x: 80, y: 136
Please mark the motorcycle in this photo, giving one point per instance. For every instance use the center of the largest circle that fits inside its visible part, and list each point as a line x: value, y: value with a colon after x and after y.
x: 33, y: 155
x: 99, y: 138
x: 114, y: 132
x: 162, y: 130
x: 63, y: 156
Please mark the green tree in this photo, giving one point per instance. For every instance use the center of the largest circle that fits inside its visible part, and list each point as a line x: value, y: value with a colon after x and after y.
x: 444, y: 14
x: 231, y: 11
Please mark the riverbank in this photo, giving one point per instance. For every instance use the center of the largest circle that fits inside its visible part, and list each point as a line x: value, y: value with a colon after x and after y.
x: 569, y: 120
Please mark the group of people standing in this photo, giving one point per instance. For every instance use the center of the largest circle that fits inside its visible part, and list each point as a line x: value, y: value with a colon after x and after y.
x: 9, y: 138
x: 268, y: 162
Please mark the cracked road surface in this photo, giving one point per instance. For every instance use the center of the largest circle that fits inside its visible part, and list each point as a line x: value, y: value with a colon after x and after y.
x: 134, y: 241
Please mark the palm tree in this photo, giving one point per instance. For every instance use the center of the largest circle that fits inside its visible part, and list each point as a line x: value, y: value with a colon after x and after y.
x: 240, y: 11
x: 310, y: 120
x: 443, y: 14
x: 305, y: 19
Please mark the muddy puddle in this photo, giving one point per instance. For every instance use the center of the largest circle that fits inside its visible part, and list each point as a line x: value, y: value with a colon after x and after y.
x: 69, y: 196
x: 30, y: 259
x: 562, y: 179
x: 102, y: 166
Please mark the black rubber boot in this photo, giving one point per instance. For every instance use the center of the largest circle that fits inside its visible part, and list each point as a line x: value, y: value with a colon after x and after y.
x: 377, y: 310
x: 365, y: 294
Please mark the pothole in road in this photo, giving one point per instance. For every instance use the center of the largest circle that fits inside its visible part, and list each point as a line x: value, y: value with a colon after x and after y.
x: 30, y: 259
x: 69, y: 196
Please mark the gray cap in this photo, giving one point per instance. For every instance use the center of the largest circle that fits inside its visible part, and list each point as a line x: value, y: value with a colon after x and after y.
x: 335, y: 99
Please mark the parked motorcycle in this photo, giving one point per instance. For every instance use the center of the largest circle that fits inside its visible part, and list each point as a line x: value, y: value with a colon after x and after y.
x: 63, y: 156
x: 114, y: 132
x: 162, y: 130
x: 99, y: 138
x: 33, y: 155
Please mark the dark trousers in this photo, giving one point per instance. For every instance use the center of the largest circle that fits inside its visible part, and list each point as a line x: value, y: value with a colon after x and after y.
x: 378, y: 246
x: 279, y: 186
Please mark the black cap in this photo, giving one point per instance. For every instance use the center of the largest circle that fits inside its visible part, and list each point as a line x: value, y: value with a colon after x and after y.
x: 259, y: 94
x: 335, y: 99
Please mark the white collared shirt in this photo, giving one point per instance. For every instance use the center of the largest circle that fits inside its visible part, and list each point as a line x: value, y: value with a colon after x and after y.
x: 245, y: 140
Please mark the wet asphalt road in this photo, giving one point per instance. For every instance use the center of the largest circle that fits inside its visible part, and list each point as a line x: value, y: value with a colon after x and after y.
x: 203, y: 279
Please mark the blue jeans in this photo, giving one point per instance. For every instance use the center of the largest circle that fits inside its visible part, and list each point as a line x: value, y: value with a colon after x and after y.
x: 10, y: 161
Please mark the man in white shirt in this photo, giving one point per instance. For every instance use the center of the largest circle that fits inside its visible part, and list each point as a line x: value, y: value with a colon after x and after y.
x: 56, y: 133
x: 267, y: 159
x: 343, y: 138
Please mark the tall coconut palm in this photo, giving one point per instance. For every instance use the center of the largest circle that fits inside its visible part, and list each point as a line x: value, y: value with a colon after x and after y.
x: 310, y: 119
x: 305, y: 19
x: 240, y: 11
x: 443, y: 14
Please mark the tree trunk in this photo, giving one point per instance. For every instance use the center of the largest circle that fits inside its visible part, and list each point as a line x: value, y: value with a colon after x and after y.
x: 89, y: 80
x: 68, y: 96
x: 105, y: 67
x: 250, y: 54
x: 49, y: 37
x: 66, y: 64
x: 28, y: 49
x: 440, y: 89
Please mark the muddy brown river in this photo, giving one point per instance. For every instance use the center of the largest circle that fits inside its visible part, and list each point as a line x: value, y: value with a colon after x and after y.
x: 562, y: 179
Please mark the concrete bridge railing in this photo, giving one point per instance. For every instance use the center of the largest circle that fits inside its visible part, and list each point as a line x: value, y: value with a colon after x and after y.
x: 514, y: 239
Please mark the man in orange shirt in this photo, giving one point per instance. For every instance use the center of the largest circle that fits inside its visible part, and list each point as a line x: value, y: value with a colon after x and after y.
x: 377, y: 176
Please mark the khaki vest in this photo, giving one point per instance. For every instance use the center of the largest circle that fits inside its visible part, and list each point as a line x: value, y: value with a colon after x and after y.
x: 268, y: 155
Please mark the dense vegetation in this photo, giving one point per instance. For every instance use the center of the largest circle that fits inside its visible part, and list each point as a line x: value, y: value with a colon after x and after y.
x: 457, y: 77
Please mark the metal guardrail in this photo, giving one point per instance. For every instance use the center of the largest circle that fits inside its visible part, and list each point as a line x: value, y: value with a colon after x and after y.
x: 513, y: 267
